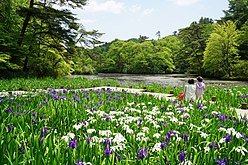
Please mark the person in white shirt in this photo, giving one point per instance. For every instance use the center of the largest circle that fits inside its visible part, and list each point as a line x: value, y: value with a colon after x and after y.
x: 190, y: 91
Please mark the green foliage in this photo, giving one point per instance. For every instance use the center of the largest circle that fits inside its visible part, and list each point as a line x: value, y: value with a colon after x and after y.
x: 138, y: 57
x: 194, y: 40
x: 237, y: 12
x: 240, y: 69
x: 244, y: 42
x: 83, y: 63
x: 221, y: 52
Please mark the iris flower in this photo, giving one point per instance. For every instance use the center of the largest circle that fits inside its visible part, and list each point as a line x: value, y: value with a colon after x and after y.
x: 141, y: 153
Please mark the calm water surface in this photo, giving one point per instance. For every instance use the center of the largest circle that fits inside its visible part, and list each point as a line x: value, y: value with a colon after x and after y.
x: 165, y: 79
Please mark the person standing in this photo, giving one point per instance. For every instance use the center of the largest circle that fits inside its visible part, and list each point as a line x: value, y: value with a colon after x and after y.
x: 199, y: 88
x: 189, y: 91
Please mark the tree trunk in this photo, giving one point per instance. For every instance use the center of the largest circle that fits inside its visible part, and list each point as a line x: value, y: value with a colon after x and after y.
x: 14, y: 59
x: 25, y: 23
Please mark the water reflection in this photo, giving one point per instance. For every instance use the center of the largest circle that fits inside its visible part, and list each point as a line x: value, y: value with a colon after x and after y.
x: 165, y: 79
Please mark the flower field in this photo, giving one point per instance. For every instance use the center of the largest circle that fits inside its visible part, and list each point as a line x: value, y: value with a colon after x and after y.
x: 107, y: 127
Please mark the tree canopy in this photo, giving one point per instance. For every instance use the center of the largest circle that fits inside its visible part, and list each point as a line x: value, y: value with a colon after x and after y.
x: 38, y: 38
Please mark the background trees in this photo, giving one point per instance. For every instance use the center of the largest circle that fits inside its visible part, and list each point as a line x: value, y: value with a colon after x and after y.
x: 221, y: 52
x: 194, y: 40
x: 37, y: 38
x: 41, y: 39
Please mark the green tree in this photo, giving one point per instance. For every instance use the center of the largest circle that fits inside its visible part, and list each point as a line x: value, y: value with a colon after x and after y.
x: 237, y: 12
x: 221, y: 52
x: 174, y: 44
x: 37, y: 32
x: 244, y: 42
x: 194, y: 37
x: 9, y: 31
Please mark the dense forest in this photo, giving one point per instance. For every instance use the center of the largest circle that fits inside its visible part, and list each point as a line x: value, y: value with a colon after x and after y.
x: 38, y: 39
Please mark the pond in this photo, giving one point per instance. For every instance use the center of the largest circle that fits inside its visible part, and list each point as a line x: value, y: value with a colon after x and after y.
x: 165, y: 79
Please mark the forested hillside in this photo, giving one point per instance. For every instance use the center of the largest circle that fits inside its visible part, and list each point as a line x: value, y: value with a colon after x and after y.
x: 37, y: 38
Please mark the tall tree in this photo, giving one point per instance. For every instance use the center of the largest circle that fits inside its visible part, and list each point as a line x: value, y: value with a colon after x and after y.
x: 194, y: 40
x: 44, y: 29
x: 221, y: 52
x: 9, y: 31
x: 237, y: 12
x: 158, y: 33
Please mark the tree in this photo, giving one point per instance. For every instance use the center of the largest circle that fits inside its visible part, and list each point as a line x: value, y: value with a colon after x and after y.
x: 44, y: 32
x: 237, y: 12
x: 244, y: 42
x: 221, y: 52
x: 158, y: 33
x: 194, y: 40
x: 142, y: 38
x: 9, y: 31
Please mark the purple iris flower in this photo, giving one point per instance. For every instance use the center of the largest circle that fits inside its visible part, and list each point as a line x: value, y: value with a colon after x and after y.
x: 77, y: 100
x: 92, y: 110
x: 214, y: 145
x: 181, y: 110
x: 112, y: 108
x: 85, y: 106
x: 73, y: 143
x: 222, y: 117
x: 41, y: 117
x: 165, y: 124
x: 178, y: 105
x: 185, y: 137
x: 186, y: 116
x: 100, y: 102
x: 106, y: 142
x: 119, y: 157
x: 107, y: 152
x: 10, y: 128
x: 199, y: 106
x: 43, y: 131
x: 79, y: 163
x: 234, y: 120
x: 107, y: 118
x: 9, y: 110
x: 62, y: 97
x: 26, y: 112
x: 228, y: 138
x: 163, y: 107
x: 34, y: 121
x: 45, y: 102
x: 84, y: 122
x: 182, y: 156
x: 41, y: 140
x: 88, y: 139
x: 175, y: 101
x: 168, y: 136
x: 221, y: 162
x: 141, y: 153
x: 246, y: 140
x: 163, y: 144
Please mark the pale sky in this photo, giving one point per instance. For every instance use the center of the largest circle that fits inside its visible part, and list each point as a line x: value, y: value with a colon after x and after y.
x: 125, y: 19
